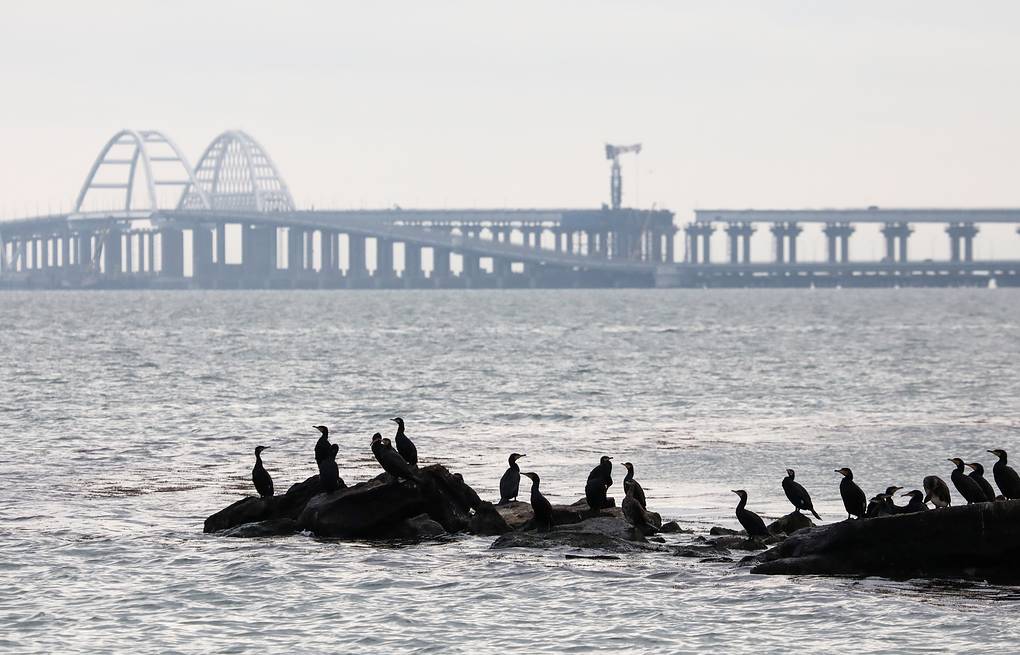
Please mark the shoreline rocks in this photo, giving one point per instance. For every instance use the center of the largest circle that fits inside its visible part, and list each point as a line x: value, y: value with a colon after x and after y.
x: 979, y: 541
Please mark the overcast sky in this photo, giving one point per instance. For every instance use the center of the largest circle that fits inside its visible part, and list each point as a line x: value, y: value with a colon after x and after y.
x: 458, y: 104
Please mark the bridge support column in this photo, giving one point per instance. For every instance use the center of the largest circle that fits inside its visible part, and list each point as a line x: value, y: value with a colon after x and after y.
x: 412, y: 262
x: 356, y: 269
x: 221, y: 245
x: 83, y: 256
x: 383, y: 259
x: 569, y: 242
x: 837, y: 238
x: 203, y: 268
x: 330, y: 253
x: 699, y: 232
x: 894, y: 232
x: 172, y: 252
x: 965, y: 233
x: 295, y: 250
x: 792, y: 232
x: 472, y: 268
x: 502, y: 268
x: 129, y: 252
x: 258, y: 254
x: 113, y: 252
x: 440, y: 264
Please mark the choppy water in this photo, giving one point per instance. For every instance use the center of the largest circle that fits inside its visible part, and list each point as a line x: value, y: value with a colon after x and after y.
x: 126, y: 418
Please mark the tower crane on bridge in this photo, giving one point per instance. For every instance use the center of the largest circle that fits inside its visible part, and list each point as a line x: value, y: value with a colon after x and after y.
x: 616, y: 179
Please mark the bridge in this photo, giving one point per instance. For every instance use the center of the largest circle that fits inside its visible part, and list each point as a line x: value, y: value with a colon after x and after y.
x: 144, y: 217
x: 236, y: 201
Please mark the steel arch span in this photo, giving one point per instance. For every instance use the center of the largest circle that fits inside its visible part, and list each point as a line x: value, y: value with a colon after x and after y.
x: 235, y: 173
x: 116, y: 169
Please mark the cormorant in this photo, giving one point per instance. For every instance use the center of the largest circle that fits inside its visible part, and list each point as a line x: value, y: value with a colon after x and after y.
x: 391, y: 461
x: 1005, y: 477
x: 751, y: 522
x: 969, y: 489
x: 636, y: 515
x: 329, y: 471
x: 260, y: 476
x: 599, y: 481
x: 540, y: 505
x: 322, y: 445
x: 510, y: 483
x: 936, y: 491
x: 853, y: 496
x: 916, y: 503
x: 797, y: 494
x: 882, y: 504
x: 978, y: 475
x: 404, y: 445
x: 629, y: 481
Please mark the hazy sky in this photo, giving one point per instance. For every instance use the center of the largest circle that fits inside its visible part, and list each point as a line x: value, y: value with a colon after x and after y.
x: 456, y: 104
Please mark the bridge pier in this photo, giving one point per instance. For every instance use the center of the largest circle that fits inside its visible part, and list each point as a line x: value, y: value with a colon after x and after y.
x: 295, y: 253
x: 172, y: 252
x: 737, y: 233
x: 894, y: 232
x: 965, y: 233
x: 412, y: 264
x: 440, y: 265
x: 785, y: 235
x: 356, y: 268
x: 699, y: 231
x: 203, y: 269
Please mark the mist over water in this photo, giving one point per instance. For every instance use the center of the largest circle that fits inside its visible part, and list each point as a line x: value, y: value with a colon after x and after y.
x: 126, y: 418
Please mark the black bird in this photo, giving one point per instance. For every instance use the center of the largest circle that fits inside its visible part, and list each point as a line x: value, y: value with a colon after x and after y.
x: 510, y: 483
x: 797, y: 494
x: 882, y: 504
x: 391, y: 461
x: 260, y: 476
x: 599, y: 481
x: 404, y: 445
x: 978, y: 475
x: 329, y: 471
x: 751, y: 522
x: 936, y: 491
x: 322, y: 446
x: 1005, y: 477
x: 968, y: 488
x: 636, y: 515
x: 916, y: 503
x: 853, y: 496
x: 629, y: 482
x: 540, y: 505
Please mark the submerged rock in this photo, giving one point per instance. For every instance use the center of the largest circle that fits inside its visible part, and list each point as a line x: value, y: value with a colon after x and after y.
x: 980, y: 541
x: 270, y: 528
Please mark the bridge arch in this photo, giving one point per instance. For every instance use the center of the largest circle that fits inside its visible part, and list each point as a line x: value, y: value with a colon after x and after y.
x: 235, y: 173
x: 116, y: 169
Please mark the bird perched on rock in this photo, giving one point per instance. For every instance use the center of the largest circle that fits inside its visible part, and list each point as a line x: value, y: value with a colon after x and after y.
x: 260, y: 476
x: 797, y: 494
x: 322, y: 446
x: 629, y: 482
x: 853, y: 496
x: 882, y: 504
x: 391, y: 461
x: 599, y: 481
x: 751, y: 522
x: 936, y: 491
x: 329, y: 470
x: 967, y: 487
x: 405, y: 446
x: 636, y: 515
x: 1005, y: 477
x: 916, y: 504
x: 540, y: 505
x: 510, y: 483
x: 977, y: 474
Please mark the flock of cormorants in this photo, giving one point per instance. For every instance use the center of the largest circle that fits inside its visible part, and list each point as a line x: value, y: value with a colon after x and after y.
x: 402, y: 463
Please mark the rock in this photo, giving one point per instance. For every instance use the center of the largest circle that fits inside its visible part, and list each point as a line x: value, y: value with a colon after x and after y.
x: 606, y: 533
x: 672, y: 527
x: 487, y: 521
x: 416, y: 528
x: 270, y: 528
x: 254, y: 509
x: 518, y: 514
x: 571, y: 556
x: 718, y: 531
x: 738, y: 542
x: 790, y: 523
x: 382, y: 507
x: 696, y: 550
x: 979, y: 541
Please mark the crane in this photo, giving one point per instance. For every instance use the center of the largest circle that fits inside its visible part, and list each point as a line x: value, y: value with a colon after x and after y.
x: 616, y: 179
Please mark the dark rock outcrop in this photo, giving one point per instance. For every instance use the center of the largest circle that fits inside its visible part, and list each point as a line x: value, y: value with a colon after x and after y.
x: 611, y: 534
x: 487, y: 521
x: 979, y: 541
x: 792, y: 522
x: 270, y: 528
x: 382, y: 507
